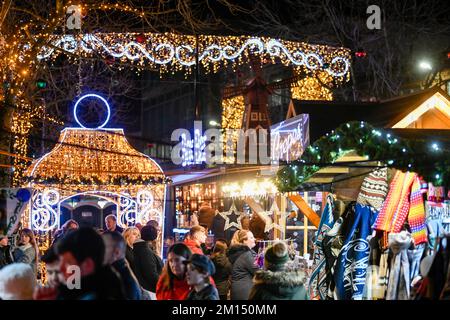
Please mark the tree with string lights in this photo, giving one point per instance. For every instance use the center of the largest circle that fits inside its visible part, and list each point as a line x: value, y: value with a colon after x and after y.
x: 33, y: 91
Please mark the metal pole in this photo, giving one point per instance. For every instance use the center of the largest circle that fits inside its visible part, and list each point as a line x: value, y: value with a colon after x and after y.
x: 196, y: 76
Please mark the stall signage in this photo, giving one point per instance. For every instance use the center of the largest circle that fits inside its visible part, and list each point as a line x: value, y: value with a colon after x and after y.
x: 289, y: 138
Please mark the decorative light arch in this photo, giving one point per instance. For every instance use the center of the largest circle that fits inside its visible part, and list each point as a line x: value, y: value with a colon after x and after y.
x: 179, y: 51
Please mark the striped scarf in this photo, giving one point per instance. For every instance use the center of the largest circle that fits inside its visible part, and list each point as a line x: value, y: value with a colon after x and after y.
x: 403, y: 201
x: 416, y: 216
x: 395, y: 208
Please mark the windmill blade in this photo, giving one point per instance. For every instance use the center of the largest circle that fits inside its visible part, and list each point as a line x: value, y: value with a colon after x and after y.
x: 229, y: 92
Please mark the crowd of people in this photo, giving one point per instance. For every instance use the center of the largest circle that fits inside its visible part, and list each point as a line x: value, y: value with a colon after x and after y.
x: 85, y: 264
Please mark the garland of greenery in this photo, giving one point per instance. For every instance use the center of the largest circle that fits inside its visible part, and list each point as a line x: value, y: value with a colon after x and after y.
x: 424, y: 157
x: 116, y: 180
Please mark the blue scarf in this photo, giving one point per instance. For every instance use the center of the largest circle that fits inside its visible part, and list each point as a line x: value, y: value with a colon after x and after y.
x: 353, y: 260
x: 317, y: 282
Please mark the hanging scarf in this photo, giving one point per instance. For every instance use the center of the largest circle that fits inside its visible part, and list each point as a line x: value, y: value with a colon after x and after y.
x: 416, y: 215
x: 399, y: 278
x: 404, y: 201
x: 353, y: 260
x: 395, y: 208
x: 332, y: 245
x: 317, y: 283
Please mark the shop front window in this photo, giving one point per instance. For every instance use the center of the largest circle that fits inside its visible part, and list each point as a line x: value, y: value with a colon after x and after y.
x: 299, y: 228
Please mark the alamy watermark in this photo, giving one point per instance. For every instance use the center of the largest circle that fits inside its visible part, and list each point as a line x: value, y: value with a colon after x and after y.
x: 374, y: 20
x: 237, y: 146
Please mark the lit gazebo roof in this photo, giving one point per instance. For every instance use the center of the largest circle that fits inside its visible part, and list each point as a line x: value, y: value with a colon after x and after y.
x: 102, y: 157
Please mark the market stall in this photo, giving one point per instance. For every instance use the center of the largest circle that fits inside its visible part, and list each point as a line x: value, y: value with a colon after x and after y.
x: 384, y: 243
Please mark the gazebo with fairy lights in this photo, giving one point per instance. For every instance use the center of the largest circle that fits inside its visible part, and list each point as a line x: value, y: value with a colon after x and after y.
x: 95, y: 162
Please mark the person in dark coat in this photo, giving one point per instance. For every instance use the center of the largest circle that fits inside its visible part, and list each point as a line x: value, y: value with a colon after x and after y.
x: 115, y: 257
x: 5, y: 251
x: 276, y: 282
x: 111, y: 224
x: 223, y: 268
x: 206, y: 215
x: 147, y: 265
x: 131, y: 235
x: 199, y: 270
x: 242, y: 257
x: 257, y: 227
x: 68, y: 226
x: 85, y: 249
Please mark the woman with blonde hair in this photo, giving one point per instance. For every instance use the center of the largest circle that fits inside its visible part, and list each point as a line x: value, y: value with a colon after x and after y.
x: 242, y: 257
x: 27, y: 251
x: 131, y: 235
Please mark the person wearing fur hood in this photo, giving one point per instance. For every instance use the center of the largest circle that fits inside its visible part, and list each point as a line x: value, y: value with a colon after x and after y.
x: 276, y: 282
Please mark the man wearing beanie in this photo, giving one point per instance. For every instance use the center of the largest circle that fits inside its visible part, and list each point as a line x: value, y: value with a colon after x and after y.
x: 198, y: 273
x: 276, y: 282
x: 147, y: 265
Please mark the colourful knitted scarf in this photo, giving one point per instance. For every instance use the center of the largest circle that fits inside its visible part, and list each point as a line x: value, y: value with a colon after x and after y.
x: 395, y: 208
x: 416, y: 216
x: 404, y: 200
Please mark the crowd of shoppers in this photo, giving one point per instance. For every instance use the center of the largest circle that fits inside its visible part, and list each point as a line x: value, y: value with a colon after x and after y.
x: 86, y: 264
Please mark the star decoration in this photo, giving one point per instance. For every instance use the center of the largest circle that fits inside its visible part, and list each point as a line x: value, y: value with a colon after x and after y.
x: 269, y: 222
x: 231, y: 218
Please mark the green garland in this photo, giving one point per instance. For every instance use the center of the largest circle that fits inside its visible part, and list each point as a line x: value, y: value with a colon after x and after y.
x: 423, y: 157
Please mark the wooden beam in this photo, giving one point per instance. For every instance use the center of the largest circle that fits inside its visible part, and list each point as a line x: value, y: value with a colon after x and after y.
x: 254, y: 206
x: 320, y: 180
x: 305, y: 209
x: 333, y: 170
x: 351, y: 159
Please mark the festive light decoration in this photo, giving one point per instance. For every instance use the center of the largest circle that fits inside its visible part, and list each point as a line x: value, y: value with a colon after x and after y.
x: 312, y: 88
x: 402, y: 154
x: 92, y: 95
x: 170, y: 52
x: 234, y: 215
x: 166, y: 49
x: 193, y: 150
x: 232, y: 117
x: 249, y: 188
x: 269, y: 222
x: 101, y: 163
x: 289, y: 138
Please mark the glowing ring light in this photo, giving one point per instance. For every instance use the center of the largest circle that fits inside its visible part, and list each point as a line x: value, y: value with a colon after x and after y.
x: 92, y: 95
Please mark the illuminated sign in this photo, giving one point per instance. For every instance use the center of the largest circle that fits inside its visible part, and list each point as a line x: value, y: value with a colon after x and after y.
x: 289, y: 138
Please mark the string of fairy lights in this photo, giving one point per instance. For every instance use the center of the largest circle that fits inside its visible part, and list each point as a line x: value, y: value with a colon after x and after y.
x: 36, y: 39
x: 312, y: 88
x: 172, y: 52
